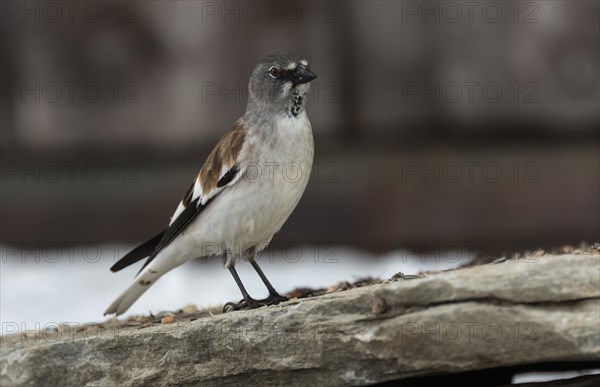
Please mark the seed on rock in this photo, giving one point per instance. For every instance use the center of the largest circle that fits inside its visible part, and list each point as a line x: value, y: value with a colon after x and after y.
x: 167, y: 320
x: 189, y: 309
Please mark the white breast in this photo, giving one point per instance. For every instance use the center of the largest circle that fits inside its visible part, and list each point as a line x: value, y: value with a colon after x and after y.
x: 248, y: 213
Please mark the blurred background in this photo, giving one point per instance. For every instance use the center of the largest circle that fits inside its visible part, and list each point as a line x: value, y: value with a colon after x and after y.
x: 443, y: 130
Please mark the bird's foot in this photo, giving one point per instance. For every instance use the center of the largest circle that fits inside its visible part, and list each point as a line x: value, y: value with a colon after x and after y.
x: 231, y: 306
x: 274, y: 299
x: 251, y: 303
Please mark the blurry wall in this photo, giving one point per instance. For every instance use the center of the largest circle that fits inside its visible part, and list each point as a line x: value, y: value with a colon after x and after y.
x: 434, y: 121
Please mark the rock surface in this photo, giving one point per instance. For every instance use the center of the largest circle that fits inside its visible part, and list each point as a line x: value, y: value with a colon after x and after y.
x: 524, y: 311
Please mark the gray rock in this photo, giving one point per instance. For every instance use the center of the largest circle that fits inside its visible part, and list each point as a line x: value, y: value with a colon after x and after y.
x: 533, y: 310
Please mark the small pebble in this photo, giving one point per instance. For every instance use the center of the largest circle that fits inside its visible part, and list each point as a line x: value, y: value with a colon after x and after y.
x: 537, y: 253
x: 189, y: 309
x: 167, y: 320
x: 301, y: 293
x: 379, y: 306
x: 567, y: 249
x: 331, y: 289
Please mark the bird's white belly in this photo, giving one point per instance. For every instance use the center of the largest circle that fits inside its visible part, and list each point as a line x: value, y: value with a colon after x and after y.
x: 248, y: 213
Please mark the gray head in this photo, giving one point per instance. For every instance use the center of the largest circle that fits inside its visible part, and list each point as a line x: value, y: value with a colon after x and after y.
x: 278, y: 84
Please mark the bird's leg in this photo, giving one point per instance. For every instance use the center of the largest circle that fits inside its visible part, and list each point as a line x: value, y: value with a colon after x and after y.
x: 248, y: 301
x: 239, y: 283
x: 274, y: 297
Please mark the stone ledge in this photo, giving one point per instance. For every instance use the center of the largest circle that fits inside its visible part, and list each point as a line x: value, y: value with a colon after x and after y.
x: 481, y: 317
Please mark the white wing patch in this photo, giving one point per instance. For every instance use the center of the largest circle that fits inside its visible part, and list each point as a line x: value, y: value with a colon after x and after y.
x: 216, y: 190
x: 178, y: 212
x: 198, y: 193
x: 222, y: 159
x: 197, y: 189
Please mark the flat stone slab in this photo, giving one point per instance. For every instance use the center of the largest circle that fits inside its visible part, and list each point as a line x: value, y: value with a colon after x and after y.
x: 522, y: 311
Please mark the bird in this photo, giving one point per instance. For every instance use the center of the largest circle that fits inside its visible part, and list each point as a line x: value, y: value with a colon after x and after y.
x: 244, y: 192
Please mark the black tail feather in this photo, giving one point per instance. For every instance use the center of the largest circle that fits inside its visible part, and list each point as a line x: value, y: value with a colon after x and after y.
x: 139, y: 253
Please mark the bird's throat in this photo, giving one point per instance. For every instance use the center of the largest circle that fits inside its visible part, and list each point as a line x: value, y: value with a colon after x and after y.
x: 297, y: 105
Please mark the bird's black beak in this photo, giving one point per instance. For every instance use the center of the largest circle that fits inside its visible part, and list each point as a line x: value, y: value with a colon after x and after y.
x: 303, y: 75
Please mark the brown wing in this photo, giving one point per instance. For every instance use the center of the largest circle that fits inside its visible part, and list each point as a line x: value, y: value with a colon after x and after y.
x: 219, y: 170
x: 222, y: 158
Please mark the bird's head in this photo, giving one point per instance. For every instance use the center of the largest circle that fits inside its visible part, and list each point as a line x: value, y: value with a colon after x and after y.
x: 279, y: 83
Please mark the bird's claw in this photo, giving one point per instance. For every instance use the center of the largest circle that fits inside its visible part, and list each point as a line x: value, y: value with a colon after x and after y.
x: 251, y: 303
x: 274, y: 299
x: 230, y: 307
x: 244, y: 304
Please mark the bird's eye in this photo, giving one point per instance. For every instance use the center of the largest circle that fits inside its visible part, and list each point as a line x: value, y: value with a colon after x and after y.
x: 274, y: 72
